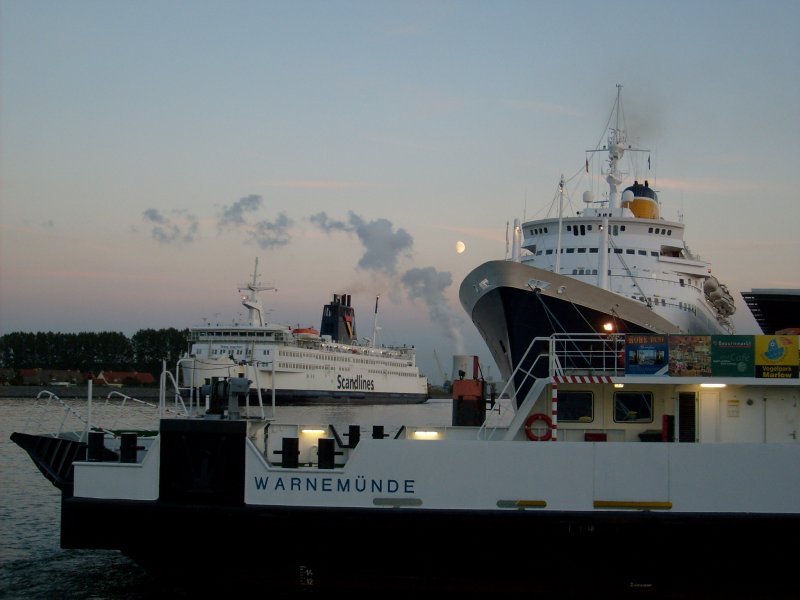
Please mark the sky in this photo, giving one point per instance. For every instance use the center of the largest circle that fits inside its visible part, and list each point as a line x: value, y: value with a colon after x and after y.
x: 150, y: 151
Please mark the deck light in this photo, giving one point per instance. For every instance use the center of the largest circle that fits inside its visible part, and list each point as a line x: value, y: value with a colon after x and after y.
x: 313, y: 431
x: 426, y: 435
x: 712, y: 385
x: 608, y: 326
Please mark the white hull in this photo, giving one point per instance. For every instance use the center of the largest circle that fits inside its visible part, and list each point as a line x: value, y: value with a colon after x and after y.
x: 317, y: 378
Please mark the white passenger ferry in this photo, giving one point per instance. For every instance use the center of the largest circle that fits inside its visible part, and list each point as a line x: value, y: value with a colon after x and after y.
x: 286, y: 365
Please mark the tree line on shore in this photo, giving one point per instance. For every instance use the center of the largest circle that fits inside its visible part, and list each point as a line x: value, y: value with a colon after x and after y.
x: 92, y: 352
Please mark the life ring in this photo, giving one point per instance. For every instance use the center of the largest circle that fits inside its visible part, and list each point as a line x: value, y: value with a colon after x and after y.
x: 532, y: 435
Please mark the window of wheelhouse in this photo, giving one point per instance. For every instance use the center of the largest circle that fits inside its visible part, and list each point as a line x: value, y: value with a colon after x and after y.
x: 575, y: 407
x: 630, y: 407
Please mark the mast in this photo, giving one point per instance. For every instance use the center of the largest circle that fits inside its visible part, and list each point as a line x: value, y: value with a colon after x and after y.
x: 616, y: 149
x: 375, y: 322
x: 602, y: 266
x: 560, y: 221
x: 253, y: 302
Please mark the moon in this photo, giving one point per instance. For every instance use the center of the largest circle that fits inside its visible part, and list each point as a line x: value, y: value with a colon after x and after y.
x: 460, y: 247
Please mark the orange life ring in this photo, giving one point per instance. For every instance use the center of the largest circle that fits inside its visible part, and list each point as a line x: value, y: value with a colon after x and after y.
x: 532, y: 435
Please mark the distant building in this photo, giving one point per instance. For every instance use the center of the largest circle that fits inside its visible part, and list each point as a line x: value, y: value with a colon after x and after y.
x: 39, y: 376
x: 118, y: 378
x: 777, y: 311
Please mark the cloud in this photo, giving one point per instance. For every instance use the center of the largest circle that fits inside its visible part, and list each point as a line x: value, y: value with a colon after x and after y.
x: 267, y: 234
x: 272, y: 234
x: 328, y: 225
x: 428, y: 284
x: 167, y: 230
x: 233, y: 215
x: 383, y: 244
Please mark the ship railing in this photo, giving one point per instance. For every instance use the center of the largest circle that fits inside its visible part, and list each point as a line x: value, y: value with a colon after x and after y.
x: 587, y: 354
x: 558, y: 355
x: 526, y: 371
x: 181, y: 392
x: 53, y: 416
x: 56, y: 417
x: 179, y: 409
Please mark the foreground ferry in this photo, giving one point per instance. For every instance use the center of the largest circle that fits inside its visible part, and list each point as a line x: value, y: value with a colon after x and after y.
x: 301, y: 365
x: 675, y: 472
x: 617, y: 265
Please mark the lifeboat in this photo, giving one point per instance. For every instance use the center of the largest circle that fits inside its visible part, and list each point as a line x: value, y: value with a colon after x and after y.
x: 719, y: 296
x: 306, y: 332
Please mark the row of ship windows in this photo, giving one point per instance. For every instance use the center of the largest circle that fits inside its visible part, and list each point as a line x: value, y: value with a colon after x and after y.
x: 613, y: 229
x: 343, y: 358
x: 307, y: 367
x: 270, y: 334
x: 597, y: 250
x: 683, y: 282
x: 656, y: 301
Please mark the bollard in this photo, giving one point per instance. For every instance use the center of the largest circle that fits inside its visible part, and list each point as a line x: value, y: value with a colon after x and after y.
x: 127, y: 448
x: 95, y: 449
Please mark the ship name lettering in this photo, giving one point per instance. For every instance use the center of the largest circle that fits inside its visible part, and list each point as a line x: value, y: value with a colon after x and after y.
x: 358, y: 383
x: 344, y: 485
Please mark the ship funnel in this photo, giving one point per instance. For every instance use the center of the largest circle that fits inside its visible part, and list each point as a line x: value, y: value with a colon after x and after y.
x: 641, y: 200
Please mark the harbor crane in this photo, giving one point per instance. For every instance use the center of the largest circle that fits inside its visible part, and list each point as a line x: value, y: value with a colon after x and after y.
x: 446, y: 385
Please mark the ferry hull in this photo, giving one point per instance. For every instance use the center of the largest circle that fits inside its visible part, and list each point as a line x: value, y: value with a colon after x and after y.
x: 294, y: 397
x: 217, y: 499
x: 468, y: 551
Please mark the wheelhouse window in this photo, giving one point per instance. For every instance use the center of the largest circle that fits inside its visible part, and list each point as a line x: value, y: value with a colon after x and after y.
x: 575, y: 407
x: 630, y: 407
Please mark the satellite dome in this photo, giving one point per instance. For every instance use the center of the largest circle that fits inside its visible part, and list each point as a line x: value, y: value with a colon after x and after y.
x: 588, y: 197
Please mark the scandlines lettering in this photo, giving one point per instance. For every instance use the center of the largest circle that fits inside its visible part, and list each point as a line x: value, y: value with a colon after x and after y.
x: 343, y: 485
x: 358, y: 383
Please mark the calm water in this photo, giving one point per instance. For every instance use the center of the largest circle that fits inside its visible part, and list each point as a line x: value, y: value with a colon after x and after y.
x: 32, y: 565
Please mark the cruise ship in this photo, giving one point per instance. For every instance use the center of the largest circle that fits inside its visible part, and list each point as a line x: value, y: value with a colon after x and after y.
x: 616, y: 266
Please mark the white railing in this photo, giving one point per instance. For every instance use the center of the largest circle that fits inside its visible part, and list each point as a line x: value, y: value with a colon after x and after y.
x: 565, y: 354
